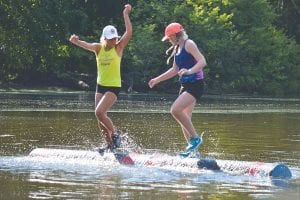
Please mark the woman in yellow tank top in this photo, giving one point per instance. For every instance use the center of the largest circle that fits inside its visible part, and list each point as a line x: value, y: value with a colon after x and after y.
x: 108, y: 53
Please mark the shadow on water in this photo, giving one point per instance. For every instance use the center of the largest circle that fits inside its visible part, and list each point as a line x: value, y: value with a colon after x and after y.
x: 236, y: 128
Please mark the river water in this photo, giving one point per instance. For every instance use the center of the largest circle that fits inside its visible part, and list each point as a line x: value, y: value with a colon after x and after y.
x: 235, y: 128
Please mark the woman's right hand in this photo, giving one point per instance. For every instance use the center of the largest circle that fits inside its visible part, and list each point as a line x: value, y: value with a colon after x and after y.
x: 153, y: 82
x: 74, y: 39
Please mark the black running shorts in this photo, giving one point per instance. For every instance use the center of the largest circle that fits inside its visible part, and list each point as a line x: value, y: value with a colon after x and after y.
x: 196, y: 89
x: 102, y: 89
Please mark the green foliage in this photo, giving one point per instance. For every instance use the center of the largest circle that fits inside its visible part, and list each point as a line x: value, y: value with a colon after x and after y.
x: 250, y: 46
x: 14, y: 35
x: 288, y: 17
x: 264, y: 51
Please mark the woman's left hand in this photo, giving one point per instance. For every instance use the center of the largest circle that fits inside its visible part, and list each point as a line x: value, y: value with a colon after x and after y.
x: 127, y: 9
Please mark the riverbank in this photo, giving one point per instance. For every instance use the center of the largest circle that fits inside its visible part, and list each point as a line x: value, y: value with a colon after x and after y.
x: 14, y: 89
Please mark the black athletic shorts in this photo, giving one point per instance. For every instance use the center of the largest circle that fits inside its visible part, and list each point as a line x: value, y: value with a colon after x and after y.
x: 196, y: 89
x: 102, y: 89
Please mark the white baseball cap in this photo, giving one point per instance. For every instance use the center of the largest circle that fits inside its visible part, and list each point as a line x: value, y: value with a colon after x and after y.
x: 110, y: 32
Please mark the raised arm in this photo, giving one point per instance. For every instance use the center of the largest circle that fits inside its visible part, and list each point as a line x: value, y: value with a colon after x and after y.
x: 128, y: 32
x: 94, y: 47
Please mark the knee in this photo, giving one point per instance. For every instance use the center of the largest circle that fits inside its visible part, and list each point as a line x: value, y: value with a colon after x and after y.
x: 100, y: 114
x: 175, y: 111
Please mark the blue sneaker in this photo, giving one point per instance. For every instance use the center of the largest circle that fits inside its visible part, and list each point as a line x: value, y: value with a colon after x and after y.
x: 116, y: 140
x: 194, y: 143
x: 184, y: 154
x: 190, y: 154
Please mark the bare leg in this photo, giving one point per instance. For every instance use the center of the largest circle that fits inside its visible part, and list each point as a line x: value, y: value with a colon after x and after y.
x: 105, y: 133
x: 181, y: 111
x: 188, y: 112
x: 103, y: 103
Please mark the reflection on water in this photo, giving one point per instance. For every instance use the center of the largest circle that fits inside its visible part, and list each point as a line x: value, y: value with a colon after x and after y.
x: 84, y: 102
x: 254, y: 130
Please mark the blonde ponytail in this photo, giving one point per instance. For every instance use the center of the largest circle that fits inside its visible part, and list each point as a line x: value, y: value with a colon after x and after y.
x: 174, y: 49
x: 180, y: 35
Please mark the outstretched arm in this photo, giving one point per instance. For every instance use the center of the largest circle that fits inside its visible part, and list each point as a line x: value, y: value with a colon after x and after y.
x: 128, y: 32
x: 94, y: 47
x: 164, y: 76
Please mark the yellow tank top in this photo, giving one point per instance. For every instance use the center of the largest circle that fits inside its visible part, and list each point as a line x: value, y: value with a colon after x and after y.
x: 108, y: 68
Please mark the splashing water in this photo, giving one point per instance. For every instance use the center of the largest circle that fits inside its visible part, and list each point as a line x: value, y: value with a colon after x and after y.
x: 128, y: 144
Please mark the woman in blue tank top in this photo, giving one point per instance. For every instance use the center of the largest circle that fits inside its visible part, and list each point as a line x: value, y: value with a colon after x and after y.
x: 188, y: 64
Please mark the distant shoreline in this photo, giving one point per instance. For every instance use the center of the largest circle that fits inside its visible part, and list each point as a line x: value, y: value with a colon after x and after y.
x: 152, y: 95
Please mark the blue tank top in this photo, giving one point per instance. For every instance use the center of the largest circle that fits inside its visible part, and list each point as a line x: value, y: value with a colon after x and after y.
x: 187, y: 61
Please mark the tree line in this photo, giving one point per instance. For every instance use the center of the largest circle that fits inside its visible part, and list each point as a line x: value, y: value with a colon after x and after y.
x: 251, y: 47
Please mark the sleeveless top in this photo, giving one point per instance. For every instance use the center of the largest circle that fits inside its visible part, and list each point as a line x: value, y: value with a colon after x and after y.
x: 108, y: 68
x: 187, y: 61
